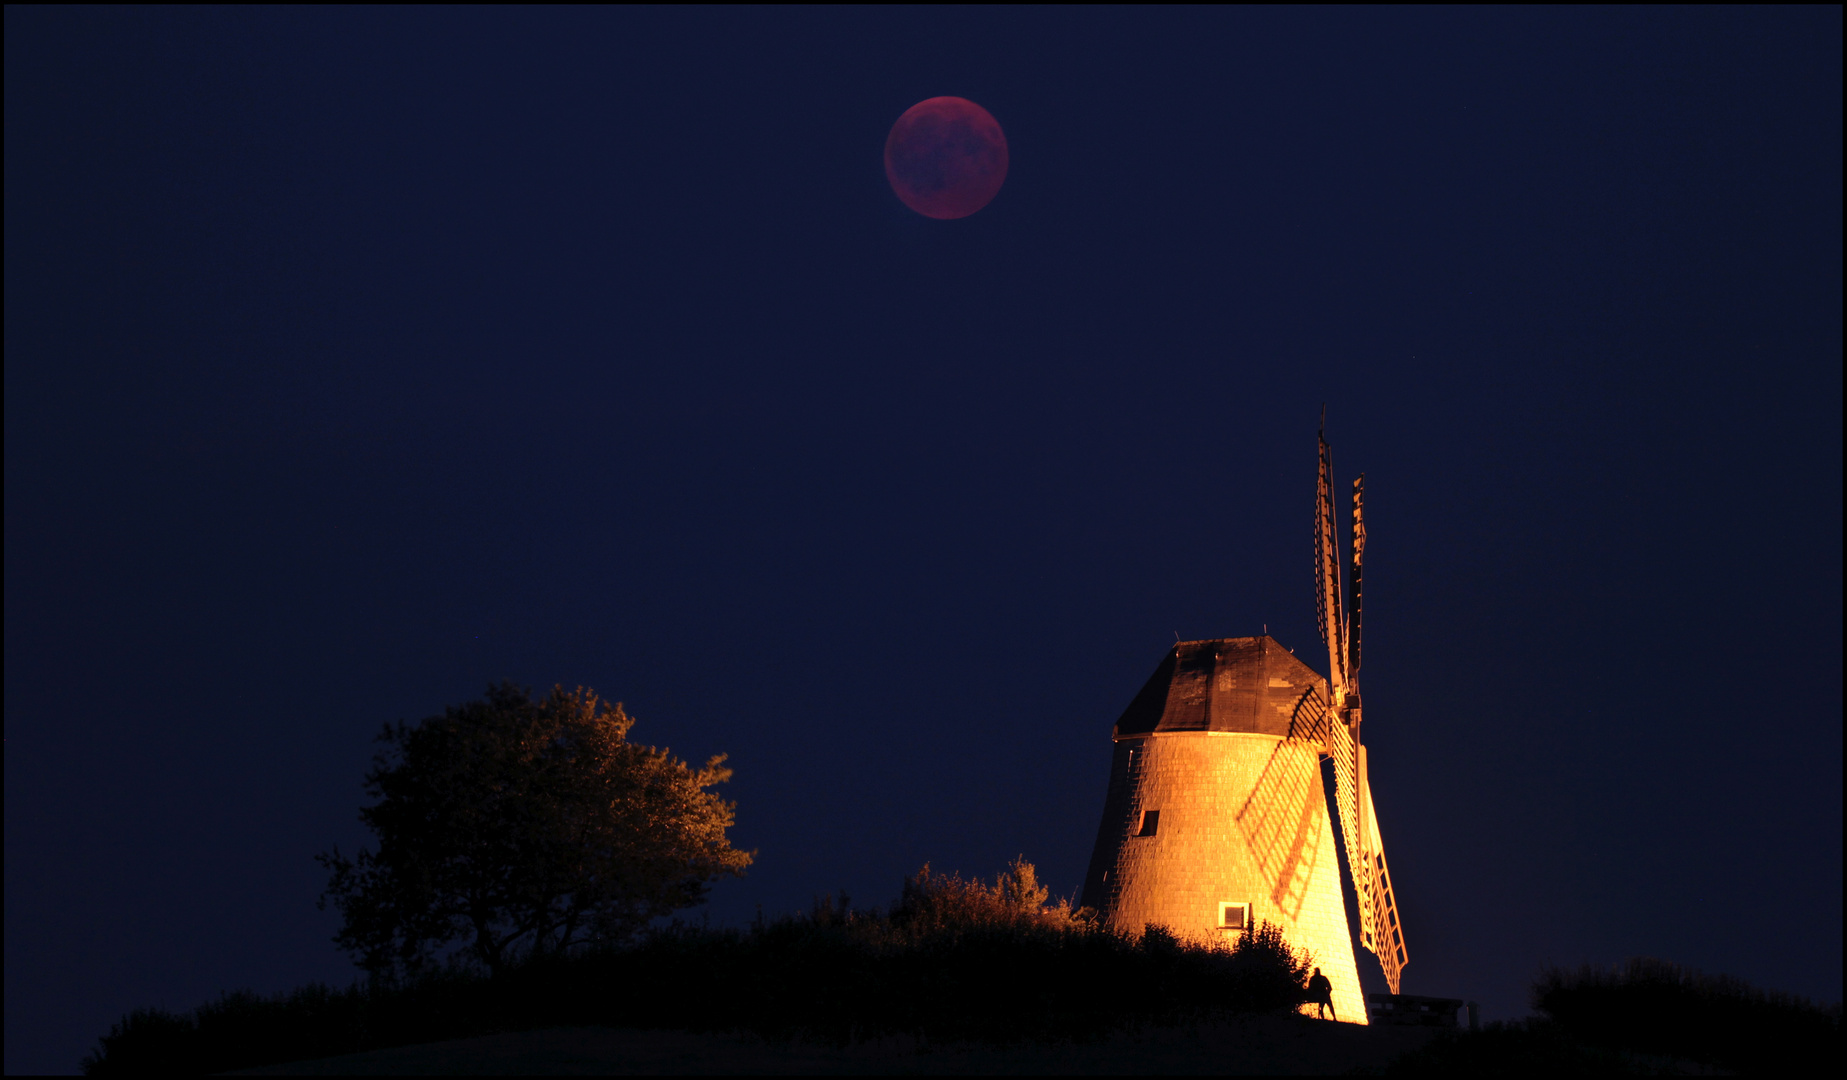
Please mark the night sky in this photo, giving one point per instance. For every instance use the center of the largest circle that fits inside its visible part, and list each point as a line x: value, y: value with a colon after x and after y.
x: 356, y: 359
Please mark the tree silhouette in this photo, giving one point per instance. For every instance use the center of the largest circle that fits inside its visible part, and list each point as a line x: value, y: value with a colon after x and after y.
x: 524, y: 827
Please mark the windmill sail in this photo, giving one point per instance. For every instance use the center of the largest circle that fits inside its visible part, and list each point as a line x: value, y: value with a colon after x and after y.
x: 1327, y: 578
x: 1388, y: 936
x: 1349, y: 808
x: 1359, y: 555
x: 1380, y: 933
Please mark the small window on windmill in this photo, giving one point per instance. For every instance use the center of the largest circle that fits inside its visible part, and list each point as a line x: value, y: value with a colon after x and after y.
x: 1234, y: 915
x: 1150, y: 819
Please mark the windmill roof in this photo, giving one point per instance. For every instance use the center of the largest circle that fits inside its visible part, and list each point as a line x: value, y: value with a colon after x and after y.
x: 1250, y: 684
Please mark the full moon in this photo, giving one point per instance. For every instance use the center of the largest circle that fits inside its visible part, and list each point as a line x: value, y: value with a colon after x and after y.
x: 946, y: 157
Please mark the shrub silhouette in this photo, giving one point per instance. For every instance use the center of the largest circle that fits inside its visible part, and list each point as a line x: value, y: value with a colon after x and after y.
x: 1656, y: 1007
x: 932, y: 903
x: 952, y: 959
x: 1642, y: 1017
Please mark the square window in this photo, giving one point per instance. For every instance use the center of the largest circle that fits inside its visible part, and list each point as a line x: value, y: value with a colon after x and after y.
x: 1150, y: 819
x: 1233, y: 915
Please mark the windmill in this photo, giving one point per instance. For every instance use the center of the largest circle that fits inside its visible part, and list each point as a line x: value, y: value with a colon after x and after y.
x: 1217, y: 816
x: 1380, y: 932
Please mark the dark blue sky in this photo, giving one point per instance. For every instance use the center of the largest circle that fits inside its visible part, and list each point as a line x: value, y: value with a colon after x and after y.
x: 357, y: 358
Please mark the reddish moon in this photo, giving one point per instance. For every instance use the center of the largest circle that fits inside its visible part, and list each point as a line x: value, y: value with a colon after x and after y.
x: 946, y: 157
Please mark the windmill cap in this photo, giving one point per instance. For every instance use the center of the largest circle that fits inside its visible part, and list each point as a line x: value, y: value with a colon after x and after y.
x: 1250, y: 684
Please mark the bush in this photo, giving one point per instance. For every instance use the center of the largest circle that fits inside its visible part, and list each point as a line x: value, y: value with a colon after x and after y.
x: 1656, y: 1007
x: 953, y: 959
x: 1642, y: 1018
x: 946, y: 903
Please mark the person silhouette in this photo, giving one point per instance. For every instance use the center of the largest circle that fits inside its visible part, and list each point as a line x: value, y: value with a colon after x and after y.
x: 1321, y: 992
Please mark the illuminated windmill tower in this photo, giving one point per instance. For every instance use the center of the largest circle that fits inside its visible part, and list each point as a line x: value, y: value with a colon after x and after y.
x: 1217, y: 817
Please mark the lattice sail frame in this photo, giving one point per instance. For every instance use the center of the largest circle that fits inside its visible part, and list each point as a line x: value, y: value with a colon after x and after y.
x: 1335, y: 727
x: 1329, y: 617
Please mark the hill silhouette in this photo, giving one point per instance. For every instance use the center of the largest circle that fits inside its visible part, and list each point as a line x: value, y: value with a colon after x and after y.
x: 957, y: 976
x: 952, y: 960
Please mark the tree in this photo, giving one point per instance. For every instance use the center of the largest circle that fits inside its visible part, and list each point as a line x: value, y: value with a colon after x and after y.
x: 524, y: 827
